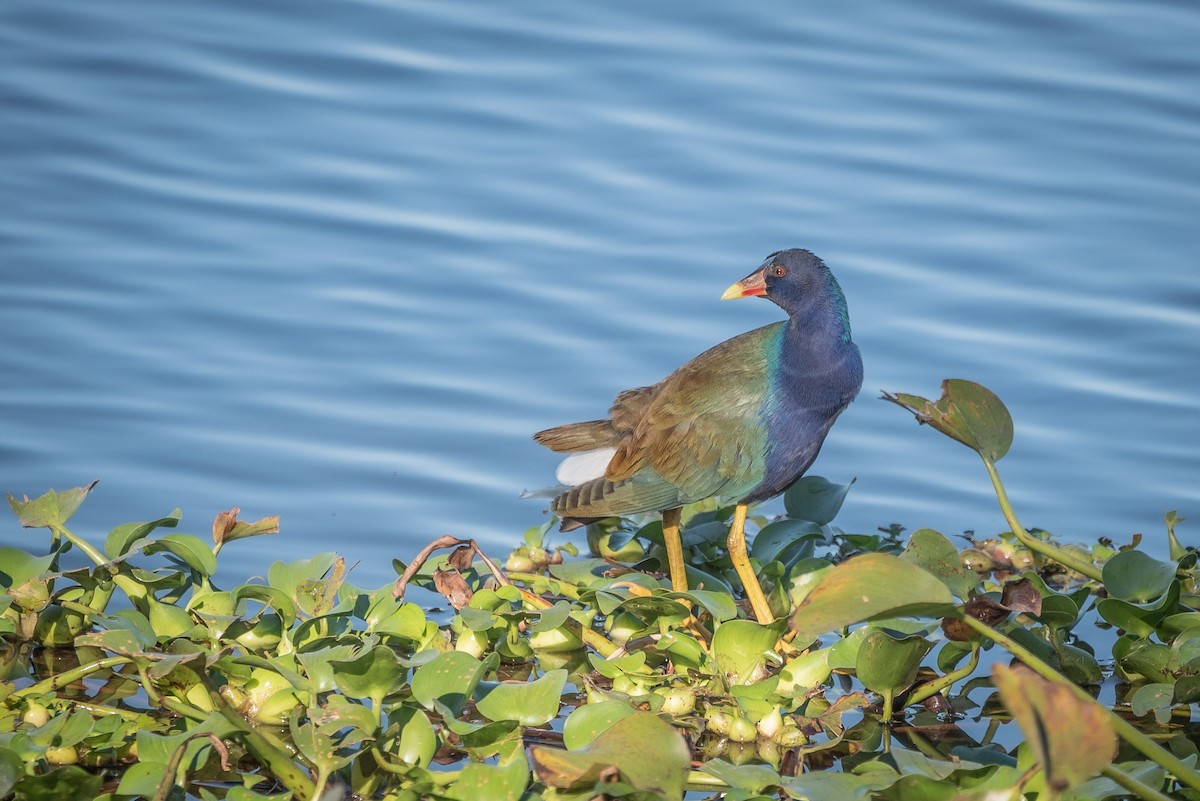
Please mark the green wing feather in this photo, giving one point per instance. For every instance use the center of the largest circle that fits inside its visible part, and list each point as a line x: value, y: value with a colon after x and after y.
x: 695, y: 434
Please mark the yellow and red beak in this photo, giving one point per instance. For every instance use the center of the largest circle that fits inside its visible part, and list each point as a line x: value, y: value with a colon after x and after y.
x: 754, y: 284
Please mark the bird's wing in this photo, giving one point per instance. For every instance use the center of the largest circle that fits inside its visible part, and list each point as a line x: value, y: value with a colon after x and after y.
x: 702, y: 430
x: 624, y: 415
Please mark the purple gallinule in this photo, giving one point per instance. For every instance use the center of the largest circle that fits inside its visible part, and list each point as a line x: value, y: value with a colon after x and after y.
x: 743, y: 420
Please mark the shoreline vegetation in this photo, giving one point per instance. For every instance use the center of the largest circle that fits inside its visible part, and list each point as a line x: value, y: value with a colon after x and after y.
x: 892, y: 664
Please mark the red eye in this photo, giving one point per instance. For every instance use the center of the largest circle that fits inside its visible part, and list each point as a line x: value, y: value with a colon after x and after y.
x: 779, y: 271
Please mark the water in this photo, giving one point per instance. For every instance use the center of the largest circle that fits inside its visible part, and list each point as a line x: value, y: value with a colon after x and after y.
x: 336, y: 261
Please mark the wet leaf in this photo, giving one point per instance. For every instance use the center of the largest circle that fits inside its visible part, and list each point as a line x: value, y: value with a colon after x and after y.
x: 531, y: 703
x: 815, y: 499
x: 641, y: 749
x: 967, y: 412
x: 869, y: 586
x: 50, y: 510
x: 1073, y: 740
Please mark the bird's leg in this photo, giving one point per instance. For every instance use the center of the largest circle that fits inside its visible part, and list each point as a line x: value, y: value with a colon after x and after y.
x: 741, y: 563
x: 674, y: 543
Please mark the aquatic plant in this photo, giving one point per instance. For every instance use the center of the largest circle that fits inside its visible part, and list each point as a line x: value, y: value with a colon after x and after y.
x: 889, y: 670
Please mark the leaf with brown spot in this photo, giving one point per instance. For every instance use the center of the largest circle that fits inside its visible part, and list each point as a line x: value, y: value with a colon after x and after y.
x: 967, y: 412
x: 227, y: 528
x: 1072, y: 739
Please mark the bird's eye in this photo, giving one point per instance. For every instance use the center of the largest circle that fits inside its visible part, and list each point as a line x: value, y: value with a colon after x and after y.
x: 779, y: 271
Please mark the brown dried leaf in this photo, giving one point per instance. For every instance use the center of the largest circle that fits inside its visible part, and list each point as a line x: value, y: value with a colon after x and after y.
x: 451, y: 584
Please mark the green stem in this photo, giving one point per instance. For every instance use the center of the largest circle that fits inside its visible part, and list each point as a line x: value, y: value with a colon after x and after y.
x: 935, y: 686
x: 1124, y: 729
x: 131, y: 588
x: 1031, y: 542
x: 561, y: 587
x: 55, y: 683
x: 184, y: 710
x: 1134, y: 786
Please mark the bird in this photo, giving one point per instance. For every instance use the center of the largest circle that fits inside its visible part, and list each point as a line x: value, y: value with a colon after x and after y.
x: 742, y: 421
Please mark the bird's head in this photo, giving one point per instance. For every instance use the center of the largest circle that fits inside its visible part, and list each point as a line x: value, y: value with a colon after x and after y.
x: 788, y: 278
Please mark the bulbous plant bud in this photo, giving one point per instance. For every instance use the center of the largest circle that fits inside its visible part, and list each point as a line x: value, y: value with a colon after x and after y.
x: 62, y: 755
x: 791, y: 736
x: 471, y: 642
x: 1022, y: 559
x: 36, y: 715
x: 770, y: 725
x: 741, y: 730
x: 977, y: 561
x: 718, y: 720
x: 678, y: 701
x: 519, y: 561
x: 740, y: 753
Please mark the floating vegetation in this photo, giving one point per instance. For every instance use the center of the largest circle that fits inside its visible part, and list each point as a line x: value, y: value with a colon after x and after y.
x: 890, y: 671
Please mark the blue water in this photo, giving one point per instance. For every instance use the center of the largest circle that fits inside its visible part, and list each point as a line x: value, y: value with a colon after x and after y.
x: 337, y: 260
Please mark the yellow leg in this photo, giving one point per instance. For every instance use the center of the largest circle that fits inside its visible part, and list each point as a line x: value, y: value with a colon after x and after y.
x: 741, y: 563
x: 670, y: 523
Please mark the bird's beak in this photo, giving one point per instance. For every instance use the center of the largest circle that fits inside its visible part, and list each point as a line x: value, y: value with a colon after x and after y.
x: 753, y: 284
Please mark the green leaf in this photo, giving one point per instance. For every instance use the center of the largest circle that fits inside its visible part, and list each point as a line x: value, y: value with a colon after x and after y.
x: 124, y: 536
x: 785, y: 535
x: 887, y: 661
x: 647, y: 752
x: 1073, y: 739
x: 18, y: 566
x: 967, y: 412
x: 444, y: 684
x: 869, y: 586
x: 532, y: 704
x: 505, y: 782
x: 12, y: 767
x: 1156, y: 698
x: 1137, y: 577
x: 67, y: 783
x: 192, y: 550
x: 372, y: 674
x: 50, y: 510
x: 931, y: 550
x: 142, y: 778
x: 587, y: 722
x: 815, y: 499
x: 418, y: 742
x: 742, y: 647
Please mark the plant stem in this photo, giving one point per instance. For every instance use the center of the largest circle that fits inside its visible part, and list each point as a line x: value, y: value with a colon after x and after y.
x: 55, y: 683
x: 1031, y: 542
x: 935, y: 686
x: 1124, y: 729
x: 1131, y: 784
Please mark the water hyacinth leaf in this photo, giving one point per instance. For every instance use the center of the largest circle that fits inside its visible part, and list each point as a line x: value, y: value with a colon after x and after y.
x: 227, y: 528
x: 887, y: 661
x: 967, y: 412
x: 67, y: 783
x: 18, y: 567
x: 11, y: 769
x: 1157, y: 698
x: 550, y: 619
x: 587, y: 722
x: 418, y: 741
x: 1140, y: 619
x: 191, y: 550
x: 504, y: 782
x: 1072, y: 739
x: 1102, y: 787
x: 122, y: 538
x: 752, y: 779
x: 641, y: 750
x: 718, y: 604
x: 815, y: 499
x: 932, y: 551
x: 1175, y: 547
x: 444, y: 684
x: 270, y: 597
x: 867, y: 587
x: 50, y: 510
x: 1137, y: 577
x: 742, y: 649
x: 372, y: 674
x: 784, y: 535
x: 142, y: 779
x: 531, y: 703
x: 803, y: 673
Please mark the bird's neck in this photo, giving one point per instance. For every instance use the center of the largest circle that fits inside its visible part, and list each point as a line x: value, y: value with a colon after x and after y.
x: 820, y: 367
